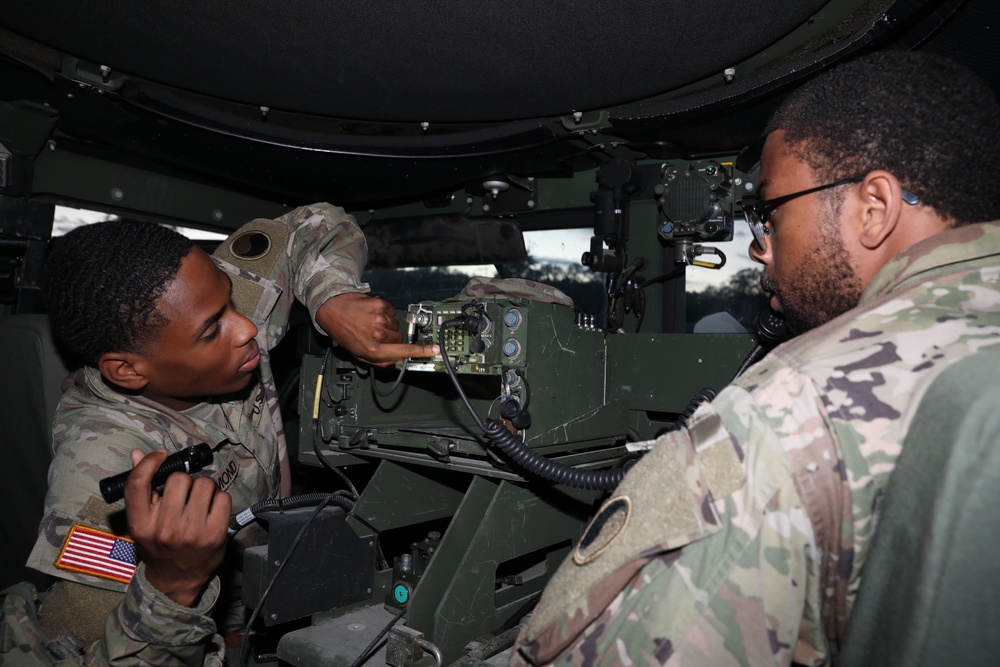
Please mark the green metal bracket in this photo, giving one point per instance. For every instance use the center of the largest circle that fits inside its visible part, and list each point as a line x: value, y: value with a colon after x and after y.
x: 500, y: 549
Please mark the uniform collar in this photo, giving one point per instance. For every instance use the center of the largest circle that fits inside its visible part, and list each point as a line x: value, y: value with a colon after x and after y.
x: 934, y: 255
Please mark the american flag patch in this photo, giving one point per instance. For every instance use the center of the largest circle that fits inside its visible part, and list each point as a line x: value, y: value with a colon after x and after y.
x: 97, y: 553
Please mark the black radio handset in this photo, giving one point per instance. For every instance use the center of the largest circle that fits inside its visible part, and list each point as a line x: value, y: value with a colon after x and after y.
x: 190, y: 460
x: 771, y: 330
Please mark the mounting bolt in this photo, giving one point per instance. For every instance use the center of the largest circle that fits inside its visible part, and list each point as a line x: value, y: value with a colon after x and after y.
x: 117, y: 194
x: 729, y: 74
x: 217, y: 215
x: 577, y: 116
x: 105, y: 73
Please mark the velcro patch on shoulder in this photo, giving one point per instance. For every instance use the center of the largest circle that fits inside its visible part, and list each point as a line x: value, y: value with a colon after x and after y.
x: 602, y: 531
x: 718, y: 454
x: 98, y: 553
x: 256, y: 246
x: 254, y: 250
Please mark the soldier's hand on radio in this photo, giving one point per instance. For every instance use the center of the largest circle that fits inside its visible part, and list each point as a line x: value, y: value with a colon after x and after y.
x: 181, y: 534
x: 366, y: 326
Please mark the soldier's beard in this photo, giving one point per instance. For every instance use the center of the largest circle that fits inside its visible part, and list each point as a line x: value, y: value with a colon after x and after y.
x: 824, y: 287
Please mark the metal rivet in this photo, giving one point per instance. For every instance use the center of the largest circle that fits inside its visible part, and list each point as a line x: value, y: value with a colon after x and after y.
x: 117, y: 194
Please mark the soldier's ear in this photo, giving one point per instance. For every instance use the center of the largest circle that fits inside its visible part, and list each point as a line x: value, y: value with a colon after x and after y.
x: 881, y: 208
x: 123, y: 369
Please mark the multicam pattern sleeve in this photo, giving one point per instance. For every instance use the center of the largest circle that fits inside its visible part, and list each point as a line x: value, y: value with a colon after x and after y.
x: 311, y: 254
x: 791, y: 462
x: 666, y: 589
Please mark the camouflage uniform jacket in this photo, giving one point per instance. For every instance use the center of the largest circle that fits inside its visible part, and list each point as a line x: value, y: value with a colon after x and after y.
x: 314, y: 253
x: 739, y: 540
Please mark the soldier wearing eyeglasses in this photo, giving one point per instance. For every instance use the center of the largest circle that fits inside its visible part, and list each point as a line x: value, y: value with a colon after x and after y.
x: 739, y: 539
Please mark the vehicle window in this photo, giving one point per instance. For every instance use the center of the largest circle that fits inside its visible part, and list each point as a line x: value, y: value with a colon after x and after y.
x: 553, y: 258
x: 716, y: 301
x: 67, y: 218
x: 719, y: 301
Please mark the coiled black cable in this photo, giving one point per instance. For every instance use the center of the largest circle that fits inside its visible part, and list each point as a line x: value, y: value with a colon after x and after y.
x: 536, y: 464
x: 519, y: 453
x: 248, y: 515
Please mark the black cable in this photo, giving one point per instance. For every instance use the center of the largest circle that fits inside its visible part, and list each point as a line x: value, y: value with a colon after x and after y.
x: 638, y: 265
x: 489, y: 647
x: 519, y: 453
x: 382, y: 563
x: 455, y: 324
x: 250, y: 514
x: 370, y: 649
x: 640, y: 307
x: 527, y: 389
x: 663, y: 277
x: 771, y: 330
x: 315, y: 428
x: 281, y: 568
x: 395, y: 385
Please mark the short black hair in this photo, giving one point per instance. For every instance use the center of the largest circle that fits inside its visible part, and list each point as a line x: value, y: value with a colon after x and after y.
x: 926, y: 119
x: 102, y: 283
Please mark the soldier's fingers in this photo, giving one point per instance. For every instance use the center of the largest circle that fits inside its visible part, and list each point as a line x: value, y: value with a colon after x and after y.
x: 389, y: 309
x: 176, y: 491
x: 387, y: 336
x: 139, y: 484
x: 389, y: 353
x: 204, y: 511
x: 140, y: 498
x: 218, y: 516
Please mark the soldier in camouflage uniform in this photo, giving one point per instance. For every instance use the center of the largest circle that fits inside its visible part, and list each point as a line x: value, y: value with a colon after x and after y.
x: 197, y: 372
x: 739, y: 540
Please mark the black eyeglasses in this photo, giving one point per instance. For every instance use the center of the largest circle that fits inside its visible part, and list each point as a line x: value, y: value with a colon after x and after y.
x: 758, y: 213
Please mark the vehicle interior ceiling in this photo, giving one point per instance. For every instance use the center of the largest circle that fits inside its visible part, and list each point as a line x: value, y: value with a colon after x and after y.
x: 438, y: 125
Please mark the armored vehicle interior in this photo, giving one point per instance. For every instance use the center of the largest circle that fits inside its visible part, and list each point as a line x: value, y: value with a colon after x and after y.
x: 602, y: 148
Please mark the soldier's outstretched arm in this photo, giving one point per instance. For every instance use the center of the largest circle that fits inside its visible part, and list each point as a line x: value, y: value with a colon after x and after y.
x: 366, y: 326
